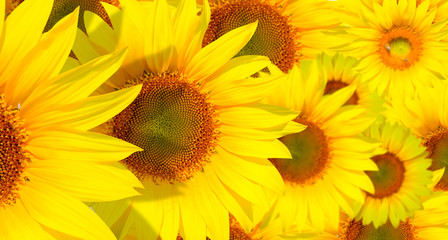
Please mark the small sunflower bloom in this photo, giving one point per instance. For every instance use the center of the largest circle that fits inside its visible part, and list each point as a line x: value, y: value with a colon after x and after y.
x: 326, y: 173
x: 400, y: 44
x: 426, y: 116
x: 402, y: 179
x: 427, y: 224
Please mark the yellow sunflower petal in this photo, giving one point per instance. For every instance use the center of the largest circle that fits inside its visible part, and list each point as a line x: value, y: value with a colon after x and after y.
x: 111, y: 182
x: 55, y: 43
x: 91, y: 112
x: 258, y: 170
x: 159, y: 39
x: 252, y: 148
x: 256, y: 116
x: 61, y: 212
x: 30, y: 15
x: 79, y: 146
x: 213, y: 56
x: 73, y: 85
x: 18, y: 227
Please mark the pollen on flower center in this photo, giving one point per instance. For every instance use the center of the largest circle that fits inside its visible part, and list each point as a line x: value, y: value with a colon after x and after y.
x: 436, y: 144
x: 14, y: 158
x: 334, y: 85
x: 400, y: 48
x: 275, y: 37
x: 390, y: 176
x: 175, y: 125
x: 354, y: 230
x: 310, y: 155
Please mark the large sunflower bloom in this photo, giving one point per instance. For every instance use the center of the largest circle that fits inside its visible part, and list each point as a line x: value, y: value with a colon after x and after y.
x: 399, y: 43
x: 49, y: 161
x: 402, y: 179
x: 428, y: 121
x: 326, y: 172
x: 288, y: 30
x: 206, y: 141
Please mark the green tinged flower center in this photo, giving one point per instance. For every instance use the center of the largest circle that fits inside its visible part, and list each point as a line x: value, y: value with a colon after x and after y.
x: 275, y: 37
x: 14, y: 158
x: 400, y: 47
x: 356, y: 231
x: 390, y: 176
x: 436, y: 144
x: 175, y: 125
x: 309, y: 150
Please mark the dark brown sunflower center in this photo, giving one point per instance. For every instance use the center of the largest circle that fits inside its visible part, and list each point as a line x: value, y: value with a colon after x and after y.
x: 356, y: 231
x: 175, y: 125
x: 62, y: 8
x: 390, y: 176
x: 14, y: 158
x: 436, y: 144
x: 310, y: 155
x: 400, y: 48
x: 334, y: 85
x: 275, y: 37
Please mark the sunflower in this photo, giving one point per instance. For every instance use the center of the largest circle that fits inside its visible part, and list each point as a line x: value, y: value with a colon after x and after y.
x: 288, y: 30
x: 426, y: 117
x: 206, y: 140
x: 326, y: 172
x: 427, y: 224
x: 50, y: 162
x: 400, y: 44
x: 402, y: 179
x: 338, y: 71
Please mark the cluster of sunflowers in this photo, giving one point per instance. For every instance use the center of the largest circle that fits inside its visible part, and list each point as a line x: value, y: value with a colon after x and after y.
x: 228, y: 119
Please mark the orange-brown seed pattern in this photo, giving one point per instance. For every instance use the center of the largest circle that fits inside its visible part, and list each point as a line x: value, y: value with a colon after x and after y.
x: 173, y: 122
x: 14, y: 158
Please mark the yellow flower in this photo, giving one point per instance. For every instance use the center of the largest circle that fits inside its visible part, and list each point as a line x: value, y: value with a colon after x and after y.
x: 402, y: 178
x: 399, y: 43
x: 338, y: 71
x: 206, y: 140
x: 326, y: 172
x: 426, y: 117
x: 50, y: 162
x: 427, y: 224
x: 287, y: 32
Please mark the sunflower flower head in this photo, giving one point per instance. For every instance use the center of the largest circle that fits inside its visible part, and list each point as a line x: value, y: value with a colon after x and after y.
x: 198, y: 118
x: 287, y: 32
x: 428, y: 223
x: 324, y: 170
x: 428, y: 123
x: 403, y: 170
x: 50, y: 161
x: 400, y: 43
